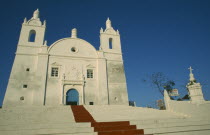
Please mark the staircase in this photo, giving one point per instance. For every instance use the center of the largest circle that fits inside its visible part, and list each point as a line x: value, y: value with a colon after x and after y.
x: 157, y: 122
x: 105, y: 128
x: 41, y: 121
x: 174, y: 126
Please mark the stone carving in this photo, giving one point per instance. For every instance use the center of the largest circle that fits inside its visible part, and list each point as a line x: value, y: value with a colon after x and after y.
x: 73, y: 74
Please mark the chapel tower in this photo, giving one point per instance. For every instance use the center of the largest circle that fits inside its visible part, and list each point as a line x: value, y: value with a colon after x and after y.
x: 111, y: 46
x: 33, y: 31
x: 26, y: 85
x: 194, y: 89
x: 110, y: 39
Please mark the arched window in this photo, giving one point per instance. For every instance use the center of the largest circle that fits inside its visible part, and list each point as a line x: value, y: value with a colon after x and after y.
x: 32, y: 36
x: 110, y: 43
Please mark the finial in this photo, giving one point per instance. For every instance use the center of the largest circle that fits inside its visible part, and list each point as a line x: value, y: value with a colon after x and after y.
x: 118, y: 33
x: 45, y: 43
x: 191, y: 74
x: 108, y: 23
x: 44, y: 24
x: 101, y: 30
x: 36, y: 14
x: 74, y: 33
x: 25, y: 20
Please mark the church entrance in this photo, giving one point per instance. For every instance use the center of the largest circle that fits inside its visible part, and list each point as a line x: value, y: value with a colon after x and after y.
x: 72, y: 97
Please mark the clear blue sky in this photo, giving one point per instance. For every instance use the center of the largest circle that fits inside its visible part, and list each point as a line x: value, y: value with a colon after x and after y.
x: 157, y: 36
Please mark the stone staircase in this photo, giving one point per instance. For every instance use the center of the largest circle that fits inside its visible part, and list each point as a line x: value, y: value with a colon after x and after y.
x: 102, y: 120
x: 187, y: 126
x: 105, y: 128
x: 41, y: 121
x: 157, y: 122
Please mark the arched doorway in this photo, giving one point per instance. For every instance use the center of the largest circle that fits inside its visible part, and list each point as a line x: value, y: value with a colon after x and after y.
x: 72, y: 97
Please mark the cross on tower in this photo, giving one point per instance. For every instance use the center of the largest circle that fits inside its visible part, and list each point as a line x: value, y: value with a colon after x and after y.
x: 190, y: 69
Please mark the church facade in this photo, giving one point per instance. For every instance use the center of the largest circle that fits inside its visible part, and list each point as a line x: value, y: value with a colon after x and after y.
x: 68, y: 72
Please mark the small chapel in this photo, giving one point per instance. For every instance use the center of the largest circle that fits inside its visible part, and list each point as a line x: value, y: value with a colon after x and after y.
x: 71, y: 71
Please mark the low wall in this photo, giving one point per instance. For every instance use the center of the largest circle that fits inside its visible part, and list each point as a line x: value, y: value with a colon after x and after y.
x: 187, y: 108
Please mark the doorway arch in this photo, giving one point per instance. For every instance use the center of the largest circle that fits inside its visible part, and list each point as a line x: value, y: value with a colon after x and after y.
x: 72, y: 97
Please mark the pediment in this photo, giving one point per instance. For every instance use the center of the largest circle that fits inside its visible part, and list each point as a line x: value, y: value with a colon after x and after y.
x: 55, y: 64
x: 110, y: 31
x: 35, y: 22
x: 90, y: 66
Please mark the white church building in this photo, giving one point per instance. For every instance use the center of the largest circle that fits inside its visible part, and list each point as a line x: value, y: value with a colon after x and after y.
x: 69, y: 72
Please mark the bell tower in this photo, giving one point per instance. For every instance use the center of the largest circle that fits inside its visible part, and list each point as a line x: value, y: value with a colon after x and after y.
x: 26, y: 84
x: 33, y: 31
x: 110, y: 39
x: 110, y: 46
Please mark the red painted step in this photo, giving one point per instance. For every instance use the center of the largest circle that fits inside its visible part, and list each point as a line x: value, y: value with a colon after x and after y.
x: 116, y: 123
x: 123, y: 132
x: 105, y: 128
x: 112, y: 128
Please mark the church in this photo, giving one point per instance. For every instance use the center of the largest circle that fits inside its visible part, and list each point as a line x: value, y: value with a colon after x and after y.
x: 71, y: 71
x: 70, y: 87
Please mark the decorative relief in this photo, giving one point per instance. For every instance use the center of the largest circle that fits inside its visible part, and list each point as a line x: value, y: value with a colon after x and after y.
x: 73, y: 73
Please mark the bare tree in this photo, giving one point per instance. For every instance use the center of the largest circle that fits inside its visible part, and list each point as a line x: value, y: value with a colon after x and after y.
x: 161, y: 82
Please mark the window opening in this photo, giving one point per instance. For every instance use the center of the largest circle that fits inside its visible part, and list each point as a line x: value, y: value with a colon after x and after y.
x: 73, y: 49
x: 25, y: 86
x: 27, y: 69
x: 91, y: 103
x: 110, y: 43
x: 89, y: 73
x: 22, y: 98
x: 54, y: 72
x: 32, y: 36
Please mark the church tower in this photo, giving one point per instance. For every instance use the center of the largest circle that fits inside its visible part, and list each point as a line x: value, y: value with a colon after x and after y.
x: 110, y: 45
x: 194, y: 89
x: 33, y: 31
x: 29, y: 64
x: 110, y: 39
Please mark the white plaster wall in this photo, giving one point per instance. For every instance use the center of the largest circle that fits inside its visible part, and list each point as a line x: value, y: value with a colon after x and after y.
x: 117, y: 83
x: 188, y: 108
x: 113, y: 56
x: 103, y: 95
x: 18, y: 77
